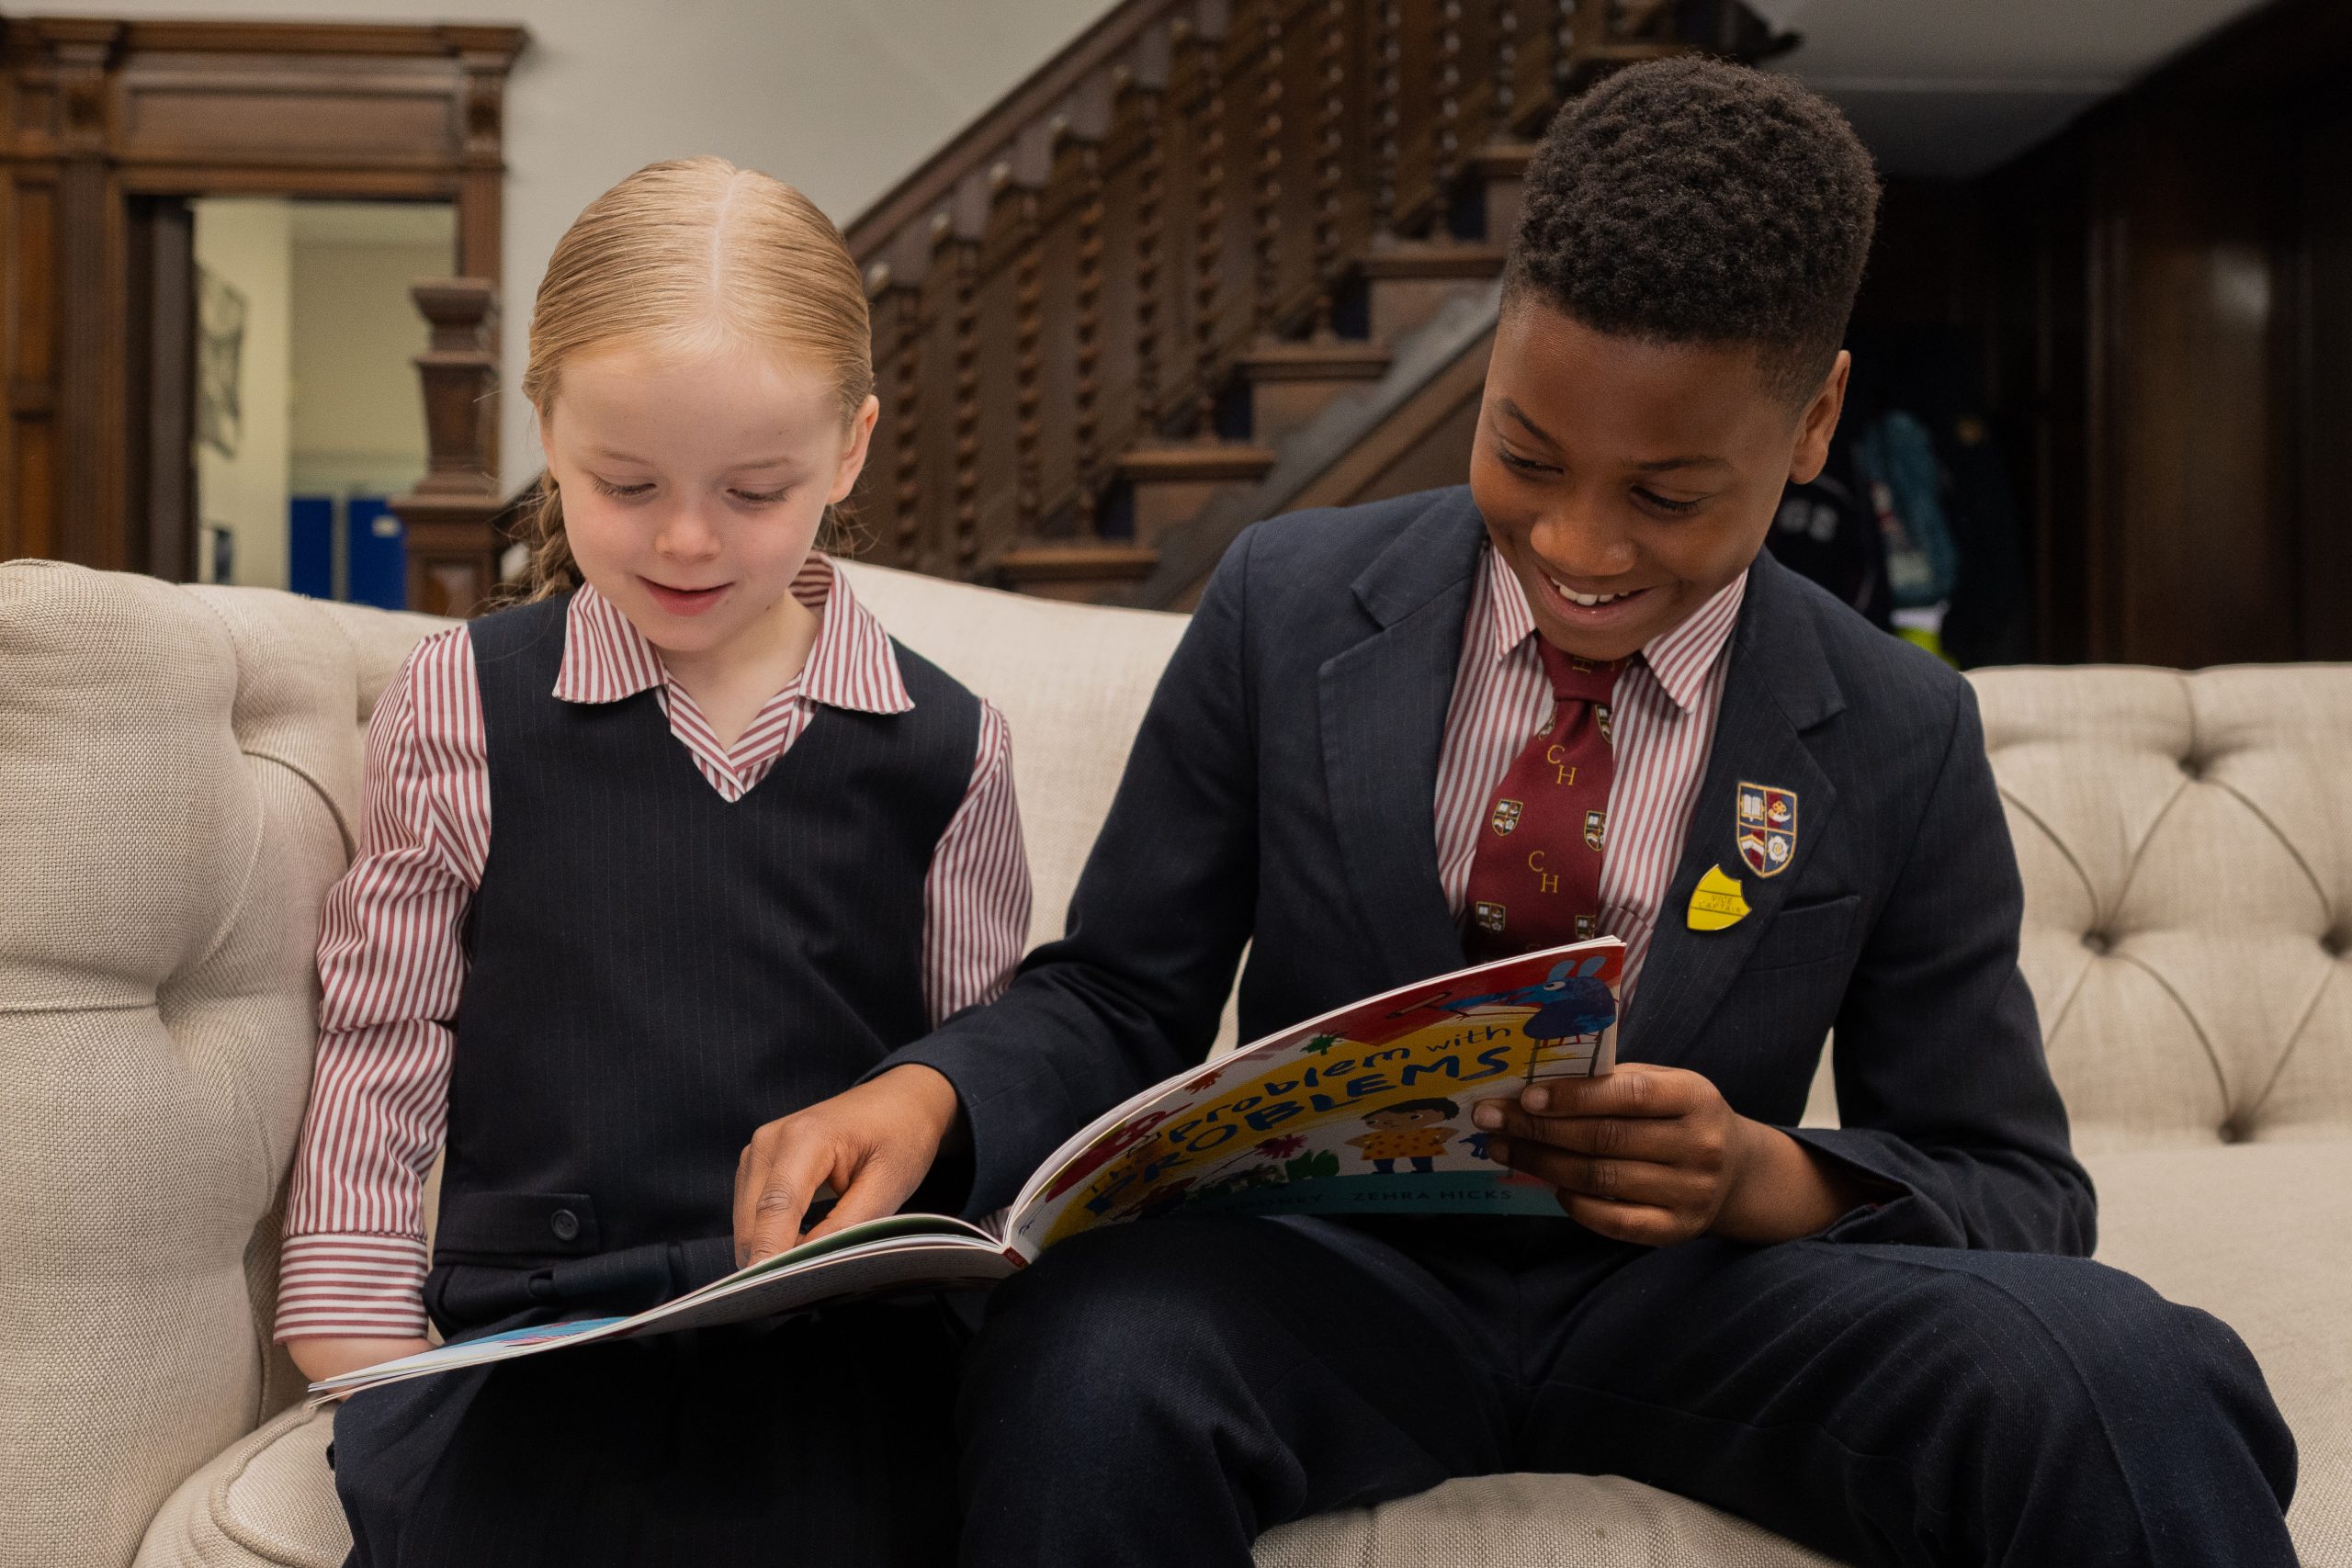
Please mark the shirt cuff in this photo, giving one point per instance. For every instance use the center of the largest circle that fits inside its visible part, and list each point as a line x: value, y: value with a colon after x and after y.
x: 1894, y: 1211
x: 351, y: 1286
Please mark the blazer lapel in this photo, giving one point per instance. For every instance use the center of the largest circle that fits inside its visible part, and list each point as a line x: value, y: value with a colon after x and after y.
x: 1384, y: 704
x: 1779, y: 688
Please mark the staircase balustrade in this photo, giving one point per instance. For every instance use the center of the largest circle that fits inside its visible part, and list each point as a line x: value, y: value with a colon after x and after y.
x: 1065, y: 294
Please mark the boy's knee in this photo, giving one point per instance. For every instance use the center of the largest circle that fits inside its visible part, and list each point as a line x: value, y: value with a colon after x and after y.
x: 2061, y: 1340
x: 1109, y: 1305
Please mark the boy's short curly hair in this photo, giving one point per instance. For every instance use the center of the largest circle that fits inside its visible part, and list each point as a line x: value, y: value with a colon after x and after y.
x: 1687, y: 200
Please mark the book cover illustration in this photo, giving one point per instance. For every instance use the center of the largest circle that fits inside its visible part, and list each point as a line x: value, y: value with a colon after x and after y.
x: 1365, y: 1109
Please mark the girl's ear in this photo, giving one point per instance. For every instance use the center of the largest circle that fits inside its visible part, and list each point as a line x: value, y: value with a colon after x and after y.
x: 861, y: 437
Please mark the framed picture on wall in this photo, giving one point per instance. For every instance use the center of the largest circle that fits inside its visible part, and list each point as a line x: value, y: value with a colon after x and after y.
x: 220, y: 354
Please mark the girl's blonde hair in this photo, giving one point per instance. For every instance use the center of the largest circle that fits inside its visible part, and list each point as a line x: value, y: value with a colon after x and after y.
x: 685, y: 255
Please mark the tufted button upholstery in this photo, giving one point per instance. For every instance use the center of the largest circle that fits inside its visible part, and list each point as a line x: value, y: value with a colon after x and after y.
x: 179, y: 775
x: 179, y: 779
x: 2203, y: 813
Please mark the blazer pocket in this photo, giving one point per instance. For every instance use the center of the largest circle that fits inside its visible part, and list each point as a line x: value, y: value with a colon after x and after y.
x: 1806, y: 934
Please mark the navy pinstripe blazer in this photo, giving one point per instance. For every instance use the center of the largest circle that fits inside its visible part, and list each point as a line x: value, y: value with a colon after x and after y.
x: 1281, y: 794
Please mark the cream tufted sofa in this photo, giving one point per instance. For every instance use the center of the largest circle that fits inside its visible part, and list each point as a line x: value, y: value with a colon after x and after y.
x: 179, y: 783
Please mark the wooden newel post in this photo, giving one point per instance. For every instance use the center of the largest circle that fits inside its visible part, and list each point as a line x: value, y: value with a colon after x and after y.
x: 453, y: 542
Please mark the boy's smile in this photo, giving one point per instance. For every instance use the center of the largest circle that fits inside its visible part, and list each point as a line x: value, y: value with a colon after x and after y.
x: 1626, y: 481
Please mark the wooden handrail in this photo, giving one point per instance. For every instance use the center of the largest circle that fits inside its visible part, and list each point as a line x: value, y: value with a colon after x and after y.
x: 1189, y: 181
x: 983, y: 141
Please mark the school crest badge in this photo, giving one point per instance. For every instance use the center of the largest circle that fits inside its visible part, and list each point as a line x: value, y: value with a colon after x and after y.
x: 1489, y: 916
x: 1608, y: 726
x: 1588, y: 927
x: 1594, y: 824
x: 1506, y: 816
x: 1765, y: 827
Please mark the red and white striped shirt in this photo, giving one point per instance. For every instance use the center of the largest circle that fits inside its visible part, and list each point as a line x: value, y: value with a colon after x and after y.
x: 1665, y: 722
x: 391, y: 968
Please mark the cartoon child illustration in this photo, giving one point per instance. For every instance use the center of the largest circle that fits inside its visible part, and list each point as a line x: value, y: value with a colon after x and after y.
x: 1411, y: 1129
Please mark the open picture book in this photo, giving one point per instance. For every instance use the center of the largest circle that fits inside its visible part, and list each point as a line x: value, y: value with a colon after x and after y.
x: 1363, y: 1109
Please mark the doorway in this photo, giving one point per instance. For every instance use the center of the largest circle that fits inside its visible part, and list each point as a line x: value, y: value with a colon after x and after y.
x: 305, y: 414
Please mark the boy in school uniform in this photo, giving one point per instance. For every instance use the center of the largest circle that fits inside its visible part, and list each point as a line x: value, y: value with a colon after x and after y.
x: 1573, y: 698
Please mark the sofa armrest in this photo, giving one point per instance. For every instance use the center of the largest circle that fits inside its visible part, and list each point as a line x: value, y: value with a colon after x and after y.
x: 268, y: 1499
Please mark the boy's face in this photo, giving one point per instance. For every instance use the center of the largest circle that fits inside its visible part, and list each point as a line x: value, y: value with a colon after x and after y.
x: 1626, y: 481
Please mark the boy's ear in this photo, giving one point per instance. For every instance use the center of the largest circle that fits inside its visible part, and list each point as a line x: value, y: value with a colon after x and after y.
x: 1819, y: 423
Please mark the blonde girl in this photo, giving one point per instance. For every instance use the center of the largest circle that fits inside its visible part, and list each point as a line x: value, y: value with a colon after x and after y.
x: 678, y: 846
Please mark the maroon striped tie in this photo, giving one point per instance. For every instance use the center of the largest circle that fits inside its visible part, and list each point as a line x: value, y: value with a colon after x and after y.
x: 1535, y: 878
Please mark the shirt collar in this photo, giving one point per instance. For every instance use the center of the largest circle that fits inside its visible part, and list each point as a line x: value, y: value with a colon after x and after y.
x: 852, y: 665
x: 1681, y: 658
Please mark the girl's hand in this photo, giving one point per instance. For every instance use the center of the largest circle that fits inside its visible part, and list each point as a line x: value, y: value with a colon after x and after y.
x: 1656, y: 1155
x: 873, y: 1144
x: 320, y: 1358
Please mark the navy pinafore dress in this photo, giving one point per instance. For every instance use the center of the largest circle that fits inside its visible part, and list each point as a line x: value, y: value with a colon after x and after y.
x: 653, y: 973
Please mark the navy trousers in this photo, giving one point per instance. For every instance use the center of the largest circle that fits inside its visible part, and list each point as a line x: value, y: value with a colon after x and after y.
x: 815, y: 1441
x: 1190, y: 1381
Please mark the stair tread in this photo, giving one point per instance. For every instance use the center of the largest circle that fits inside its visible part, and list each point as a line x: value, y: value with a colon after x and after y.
x: 1434, y: 258
x: 1207, y: 460
x: 1629, y: 53
x: 1047, y: 562
x: 1502, y: 160
x: 1339, y: 359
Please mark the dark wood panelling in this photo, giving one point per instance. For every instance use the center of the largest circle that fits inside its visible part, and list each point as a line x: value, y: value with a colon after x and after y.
x: 160, y: 329
x: 104, y: 118
x: 2167, y: 321
x: 2322, y: 368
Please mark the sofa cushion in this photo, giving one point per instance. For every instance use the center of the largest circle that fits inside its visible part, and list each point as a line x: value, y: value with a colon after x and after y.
x: 268, y: 1499
x: 2188, y: 861
x: 2240, y: 1231
x: 1073, y: 680
x: 2261, y: 1235
x: 181, y: 775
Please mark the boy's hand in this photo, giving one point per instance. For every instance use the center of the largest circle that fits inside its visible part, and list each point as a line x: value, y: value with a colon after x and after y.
x: 873, y: 1144
x: 326, y: 1357
x: 1656, y: 1155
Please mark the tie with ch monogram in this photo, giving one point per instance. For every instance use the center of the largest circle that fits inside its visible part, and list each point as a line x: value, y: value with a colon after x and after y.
x: 1535, y: 878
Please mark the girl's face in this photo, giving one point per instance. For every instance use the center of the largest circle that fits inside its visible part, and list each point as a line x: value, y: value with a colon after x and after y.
x: 693, y: 484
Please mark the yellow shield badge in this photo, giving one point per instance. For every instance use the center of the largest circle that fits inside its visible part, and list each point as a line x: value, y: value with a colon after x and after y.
x: 1765, y: 827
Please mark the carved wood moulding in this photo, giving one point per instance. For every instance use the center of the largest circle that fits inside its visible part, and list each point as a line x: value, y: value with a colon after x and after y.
x: 99, y: 115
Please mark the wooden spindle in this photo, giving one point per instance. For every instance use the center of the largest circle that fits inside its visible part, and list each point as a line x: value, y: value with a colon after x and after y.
x: 906, y: 396
x: 1327, y: 171
x: 1208, y: 232
x: 1388, y: 97
x: 967, y: 406
x: 1563, y: 49
x: 1505, y: 49
x: 1448, y: 161
x: 1028, y: 366
x: 1086, y: 332
x: 1267, y: 296
x: 1150, y: 186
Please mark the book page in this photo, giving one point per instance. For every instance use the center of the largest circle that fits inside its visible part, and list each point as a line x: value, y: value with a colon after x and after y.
x: 873, y: 1268
x: 1364, y: 1108
x: 895, y: 1251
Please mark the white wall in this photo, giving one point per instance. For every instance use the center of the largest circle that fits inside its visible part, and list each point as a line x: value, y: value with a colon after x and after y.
x: 358, y: 412
x: 840, y: 97
x: 246, y: 243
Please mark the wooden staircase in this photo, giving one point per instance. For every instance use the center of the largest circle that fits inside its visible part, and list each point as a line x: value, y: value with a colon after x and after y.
x: 1214, y: 262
